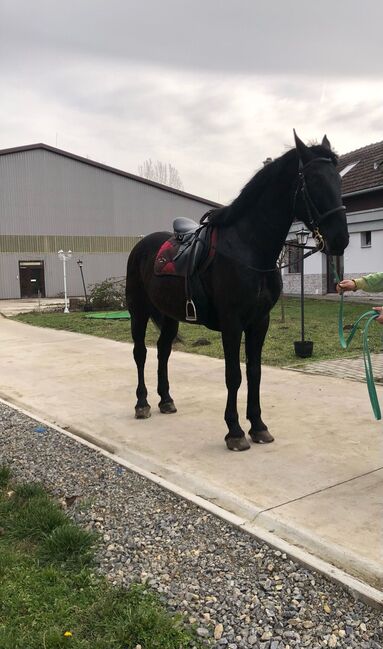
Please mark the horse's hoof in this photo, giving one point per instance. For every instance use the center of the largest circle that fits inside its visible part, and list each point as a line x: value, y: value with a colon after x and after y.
x: 143, y: 412
x: 261, y: 436
x: 167, y: 408
x: 237, y: 443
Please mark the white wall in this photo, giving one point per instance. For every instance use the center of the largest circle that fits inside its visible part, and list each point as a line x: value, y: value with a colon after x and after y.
x: 359, y: 260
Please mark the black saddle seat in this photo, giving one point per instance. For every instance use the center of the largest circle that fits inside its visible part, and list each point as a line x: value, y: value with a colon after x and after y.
x: 182, y: 226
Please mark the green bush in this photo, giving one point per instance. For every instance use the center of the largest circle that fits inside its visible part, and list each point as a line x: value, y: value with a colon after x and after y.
x: 109, y: 294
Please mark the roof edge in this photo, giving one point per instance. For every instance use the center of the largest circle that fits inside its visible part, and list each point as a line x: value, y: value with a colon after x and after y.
x: 99, y: 165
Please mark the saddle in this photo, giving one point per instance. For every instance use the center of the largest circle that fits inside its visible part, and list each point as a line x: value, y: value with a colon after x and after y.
x: 190, y: 249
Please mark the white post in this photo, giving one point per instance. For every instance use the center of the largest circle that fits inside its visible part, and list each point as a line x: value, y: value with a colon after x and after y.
x: 65, y: 256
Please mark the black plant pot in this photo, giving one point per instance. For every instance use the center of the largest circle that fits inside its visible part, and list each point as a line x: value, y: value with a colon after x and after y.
x: 303, y: 348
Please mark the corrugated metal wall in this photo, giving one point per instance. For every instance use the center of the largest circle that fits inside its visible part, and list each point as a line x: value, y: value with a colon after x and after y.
x: 49, y: 201
x: 96, y: 268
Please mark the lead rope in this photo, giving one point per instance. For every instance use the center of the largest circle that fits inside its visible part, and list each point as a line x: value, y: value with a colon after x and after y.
x: 368, y: 316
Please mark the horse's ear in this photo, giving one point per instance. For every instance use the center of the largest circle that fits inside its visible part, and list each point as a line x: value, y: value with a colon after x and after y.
x: 302, y: 149
x: 326, y: 143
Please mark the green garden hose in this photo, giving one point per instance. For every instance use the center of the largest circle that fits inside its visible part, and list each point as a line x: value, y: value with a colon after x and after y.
x: 368, y: 316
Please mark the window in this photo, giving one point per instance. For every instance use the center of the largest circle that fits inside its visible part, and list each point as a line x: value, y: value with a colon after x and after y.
x: 293, y: 254
x: 348, y: 168
x: 365, y: 239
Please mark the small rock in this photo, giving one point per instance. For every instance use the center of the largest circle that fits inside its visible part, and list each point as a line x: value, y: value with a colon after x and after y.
x: 218, y: 631
x: 202, y: 632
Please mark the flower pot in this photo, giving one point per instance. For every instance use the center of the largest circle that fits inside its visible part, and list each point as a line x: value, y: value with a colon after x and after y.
x: 303, y: 348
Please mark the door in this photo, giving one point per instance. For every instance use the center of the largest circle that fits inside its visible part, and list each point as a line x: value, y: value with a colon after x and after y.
x: 338, y: 263
x: 32, y: 281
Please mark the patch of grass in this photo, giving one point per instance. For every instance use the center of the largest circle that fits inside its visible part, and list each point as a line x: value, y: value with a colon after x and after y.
x: 24, y: 492
x: 321, y: 326
x: 33, y: 519
x: 58, y: 602
x: 68, y: 543
x: 5, y: 476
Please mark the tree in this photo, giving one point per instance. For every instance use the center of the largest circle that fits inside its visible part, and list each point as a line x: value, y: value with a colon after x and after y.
x: 161, y: 172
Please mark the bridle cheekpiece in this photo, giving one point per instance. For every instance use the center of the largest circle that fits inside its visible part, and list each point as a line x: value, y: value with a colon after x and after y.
x: 315, y: 218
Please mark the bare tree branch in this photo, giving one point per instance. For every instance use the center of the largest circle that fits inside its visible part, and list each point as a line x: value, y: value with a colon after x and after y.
x: 161, y: 172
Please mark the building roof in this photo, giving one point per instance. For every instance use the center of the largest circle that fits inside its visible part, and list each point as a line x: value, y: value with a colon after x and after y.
x: 119, y: 172
x: 362, y: 169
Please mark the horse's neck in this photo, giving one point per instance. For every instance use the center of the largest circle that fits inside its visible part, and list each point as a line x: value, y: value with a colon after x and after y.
x: 265, y: 226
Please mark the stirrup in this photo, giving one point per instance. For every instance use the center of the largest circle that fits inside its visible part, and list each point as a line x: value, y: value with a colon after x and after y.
x: 191, y: 312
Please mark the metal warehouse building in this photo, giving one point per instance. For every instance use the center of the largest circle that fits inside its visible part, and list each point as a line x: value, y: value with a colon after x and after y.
x: 52, y: 200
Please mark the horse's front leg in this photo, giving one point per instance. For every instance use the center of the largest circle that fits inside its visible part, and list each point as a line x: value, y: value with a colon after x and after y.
x: 254, y: 339
x: 231, y: 340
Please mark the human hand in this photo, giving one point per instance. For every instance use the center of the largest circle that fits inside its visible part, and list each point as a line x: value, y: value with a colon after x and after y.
x: 379, y: 309
x: 346, y: 285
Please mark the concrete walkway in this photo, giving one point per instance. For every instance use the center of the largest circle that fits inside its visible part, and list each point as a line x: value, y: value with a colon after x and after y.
x: 13, y: 307
x: 319, y: 485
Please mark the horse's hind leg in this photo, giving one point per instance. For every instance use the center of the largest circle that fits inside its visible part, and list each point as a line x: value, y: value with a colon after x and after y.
x: 169, y: 331
x: 231, y: 339
x: 139, y: 323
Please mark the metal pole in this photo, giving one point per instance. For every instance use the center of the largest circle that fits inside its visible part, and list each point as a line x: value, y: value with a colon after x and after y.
x: 66, y: 309
x: 302, y: 297
x: 83, y: 283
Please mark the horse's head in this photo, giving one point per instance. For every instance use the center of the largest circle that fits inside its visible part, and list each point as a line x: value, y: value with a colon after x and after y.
x: 318, y: 198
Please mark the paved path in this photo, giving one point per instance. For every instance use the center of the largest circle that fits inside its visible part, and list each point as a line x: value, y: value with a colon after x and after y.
x: 320, y: 485
x: 13, y: 307
x: 344, y: 368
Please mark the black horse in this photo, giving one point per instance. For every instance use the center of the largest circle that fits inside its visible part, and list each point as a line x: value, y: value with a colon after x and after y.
x: 241, y: 282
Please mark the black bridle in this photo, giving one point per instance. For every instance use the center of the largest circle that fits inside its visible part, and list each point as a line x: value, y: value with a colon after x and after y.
x: 315, y: 218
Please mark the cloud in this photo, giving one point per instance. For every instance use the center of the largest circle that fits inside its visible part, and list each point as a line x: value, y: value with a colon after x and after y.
x: 213, y: 88
x: 232, y: 36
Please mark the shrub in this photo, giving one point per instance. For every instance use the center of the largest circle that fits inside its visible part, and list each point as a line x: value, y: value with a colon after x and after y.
x: 109, y: 294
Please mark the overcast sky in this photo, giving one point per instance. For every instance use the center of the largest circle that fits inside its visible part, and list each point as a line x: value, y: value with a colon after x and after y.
x: 211, y: 86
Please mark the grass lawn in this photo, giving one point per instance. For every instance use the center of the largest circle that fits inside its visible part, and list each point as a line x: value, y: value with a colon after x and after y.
x: 321, y: 326
x: 50, y: 598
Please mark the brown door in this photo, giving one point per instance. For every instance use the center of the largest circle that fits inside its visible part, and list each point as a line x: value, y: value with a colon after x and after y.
x: 338, y: 264
x: 32, y: 281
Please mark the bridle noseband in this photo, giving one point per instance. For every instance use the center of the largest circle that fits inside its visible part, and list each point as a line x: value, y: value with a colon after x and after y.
x: 315, y: 218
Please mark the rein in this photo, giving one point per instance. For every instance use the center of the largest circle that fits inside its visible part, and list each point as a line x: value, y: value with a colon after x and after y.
x: 368, y: 316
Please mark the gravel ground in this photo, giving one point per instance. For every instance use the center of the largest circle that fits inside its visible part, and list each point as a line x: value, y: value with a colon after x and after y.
x: 238, y: 592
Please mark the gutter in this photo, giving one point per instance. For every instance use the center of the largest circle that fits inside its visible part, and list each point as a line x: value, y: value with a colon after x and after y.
x: 363, y: 191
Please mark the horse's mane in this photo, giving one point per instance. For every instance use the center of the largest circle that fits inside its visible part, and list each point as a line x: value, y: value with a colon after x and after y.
x: 253, y: 190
